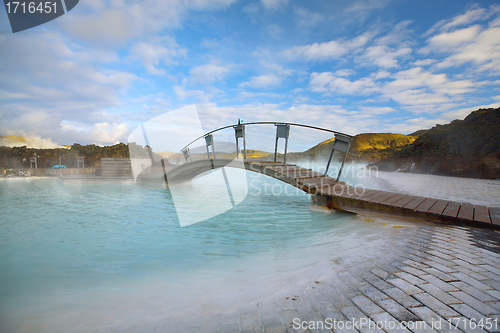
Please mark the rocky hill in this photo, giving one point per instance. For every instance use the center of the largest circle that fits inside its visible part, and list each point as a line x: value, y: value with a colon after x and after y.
x: 463, y: 148
x: 365, y: 147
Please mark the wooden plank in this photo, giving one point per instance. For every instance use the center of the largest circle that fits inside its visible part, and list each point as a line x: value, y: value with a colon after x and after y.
x: 270, y: 164
x: 304, y: 173
x: 414, y: 203
x: 395, y: 198
x: 438, y: 207
x: 481, y: 214
x: 495, y: 215
x: 466, y: 212
x: 403, y: 201
x: 336, y: 190
x: 367, y: 196
x: 425, y: 205
x: 452, y: 209
x: 317, y: 181
x: 383, y: 197
x: 323, y: 185
x: 284, y: 168
x: 361, y: 195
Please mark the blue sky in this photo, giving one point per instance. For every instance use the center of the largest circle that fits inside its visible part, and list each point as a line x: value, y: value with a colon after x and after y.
x: 94, y: 74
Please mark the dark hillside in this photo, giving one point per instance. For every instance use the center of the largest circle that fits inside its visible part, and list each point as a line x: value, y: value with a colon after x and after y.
x: 464, y: 148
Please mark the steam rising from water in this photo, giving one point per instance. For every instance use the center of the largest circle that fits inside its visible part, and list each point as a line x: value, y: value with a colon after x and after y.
x: 29, y: 140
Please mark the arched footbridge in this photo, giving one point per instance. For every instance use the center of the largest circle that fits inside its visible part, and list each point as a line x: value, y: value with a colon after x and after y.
x: 330, y: 192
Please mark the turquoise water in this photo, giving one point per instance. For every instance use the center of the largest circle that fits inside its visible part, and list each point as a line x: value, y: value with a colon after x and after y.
x: 83, y: 256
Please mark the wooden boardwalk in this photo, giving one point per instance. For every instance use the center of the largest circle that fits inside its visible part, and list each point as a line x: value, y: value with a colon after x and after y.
x: 342, y: 196
x: 338, y: 195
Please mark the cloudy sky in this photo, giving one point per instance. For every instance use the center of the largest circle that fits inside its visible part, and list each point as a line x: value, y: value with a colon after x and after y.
x: 96, y: 73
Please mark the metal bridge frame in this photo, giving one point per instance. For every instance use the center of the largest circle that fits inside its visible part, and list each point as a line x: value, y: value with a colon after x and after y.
x: 342, y: 141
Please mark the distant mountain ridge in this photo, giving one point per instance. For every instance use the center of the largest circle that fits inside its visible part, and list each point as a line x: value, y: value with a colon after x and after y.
x: 364, y: 147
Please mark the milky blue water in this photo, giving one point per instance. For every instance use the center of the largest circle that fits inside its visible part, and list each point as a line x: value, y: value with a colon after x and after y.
x: 81, y: 257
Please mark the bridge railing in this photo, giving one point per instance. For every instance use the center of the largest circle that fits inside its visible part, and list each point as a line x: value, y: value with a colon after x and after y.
x: 341, y: 143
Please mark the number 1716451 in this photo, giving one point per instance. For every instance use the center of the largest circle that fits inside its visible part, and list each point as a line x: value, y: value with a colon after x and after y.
x: 31, y: 7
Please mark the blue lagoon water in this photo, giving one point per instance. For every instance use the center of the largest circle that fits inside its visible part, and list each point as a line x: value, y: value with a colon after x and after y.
x: 113, y: 257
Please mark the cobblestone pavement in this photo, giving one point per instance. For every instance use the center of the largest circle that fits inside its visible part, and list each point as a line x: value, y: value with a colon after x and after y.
x: 432, y: 274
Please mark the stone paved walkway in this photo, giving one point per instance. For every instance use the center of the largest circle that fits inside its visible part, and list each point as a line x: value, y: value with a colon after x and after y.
x: 431, y: 274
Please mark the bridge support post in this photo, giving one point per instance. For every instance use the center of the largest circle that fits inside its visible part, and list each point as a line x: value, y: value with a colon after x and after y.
x: 209, y: 140
x: 282, y: 131
x: 342, y: 143
x: 186, y: 154
x: 239, y: 132
x: 343, y: 161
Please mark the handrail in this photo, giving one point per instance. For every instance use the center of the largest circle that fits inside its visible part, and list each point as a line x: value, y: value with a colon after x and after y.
x: 266, y: 123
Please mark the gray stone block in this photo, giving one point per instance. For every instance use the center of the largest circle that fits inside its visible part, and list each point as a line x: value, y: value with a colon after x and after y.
x: 405, y: 286
x: 480, y: 295
x: 396, y: 310
x: 474, y: 303
x: 409, y: 278
x: 440, y: 275
x: 439, y: 283
x: 438, y: 293
x: 435, y: 305
x: 366, y: 305
x: 402, y: 298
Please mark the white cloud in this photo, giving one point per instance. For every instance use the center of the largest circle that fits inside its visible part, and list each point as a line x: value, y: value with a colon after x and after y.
x: 62, y: 83
x: 415, y: 124
x: 274, y: 4
x: 251, y: 8
x: 443, y: 42
x: 424, y: 62
x: 462, y: 113
x: 344, y: 72
x: 118, y: 21
x: 263, y: 81
x: 275, y: 31
x: 253, y: 95
x: 483, y: 51
x: 363, y: 8
x: 399, y: 36
x: 153, y: 55
x: 327, y: 50
x: 416, y: 89
x: 317, y: 51
x: 424, y: 91
x: 330, y: 82
x: 477, y: 45
x: 202, y: 96
x: 383, y: 56
x: 108, y: 24
x: 472, y: 15
x: 106, y: 133
x: 209, y: 73
x: 306, y: 18
x: 102, y: 133
x: 376, y: 110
